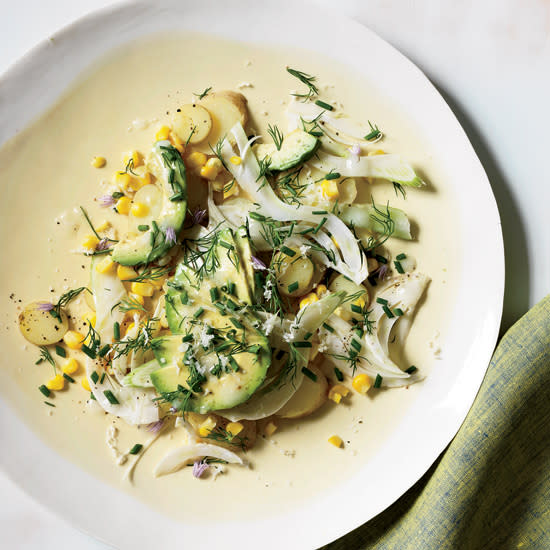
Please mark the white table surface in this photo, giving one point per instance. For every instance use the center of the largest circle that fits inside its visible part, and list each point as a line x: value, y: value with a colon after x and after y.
x: 491, y: 61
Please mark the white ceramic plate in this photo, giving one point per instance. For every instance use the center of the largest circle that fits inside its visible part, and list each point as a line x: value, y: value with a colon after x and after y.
x: 434, y: 418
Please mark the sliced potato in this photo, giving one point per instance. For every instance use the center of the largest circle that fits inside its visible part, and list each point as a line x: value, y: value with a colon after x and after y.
x: 226, y: 109
x: 41, y: 327
x: 309, y: 397
x: 246, y: 438
x: 294, y: 273
x: 192, y: 120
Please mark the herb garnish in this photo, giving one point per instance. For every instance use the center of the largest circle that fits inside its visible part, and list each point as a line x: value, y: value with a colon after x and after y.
x: 375, y: 134
x: 306, y: 79
x: 276, y: 135
x: 203, y: 94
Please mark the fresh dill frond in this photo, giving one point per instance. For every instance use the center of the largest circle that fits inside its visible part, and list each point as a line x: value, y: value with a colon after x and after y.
x: 142, y: 342
x: 306, y: 79
x: 398, y: 188
x: 178, y: 399
x: 289, y: 187
x: 149, y: 274
x: 384, y: 219
x: 203, y: 94
x: 375, y: 134
x: 276, y: 136
x: 131, y: 304
x: 87, y: 218
x: 45, y: 355
x: 130, y: 167
x: 64, y: 300
x: 177, y: 177
x: 221, y: 435
x: 193, y: 130
x: 217, y: 150
x: 264, y: 164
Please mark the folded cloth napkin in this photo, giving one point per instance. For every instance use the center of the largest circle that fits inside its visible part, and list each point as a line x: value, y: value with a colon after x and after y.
x: 491, y: 488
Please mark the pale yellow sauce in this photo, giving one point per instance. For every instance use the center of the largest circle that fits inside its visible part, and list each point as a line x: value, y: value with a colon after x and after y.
x: 46, y: 173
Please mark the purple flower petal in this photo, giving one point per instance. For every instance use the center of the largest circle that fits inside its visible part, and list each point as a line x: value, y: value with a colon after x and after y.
x: 106, y: 200
x: 155, y: 427
x: 198, y: 216
x: 199, y: 467
x: 170, y: 235
x: 44, y: 306
x: 355, y: 149
x: 382, y: 272
x: 103, y: 244
x: 257, y: 264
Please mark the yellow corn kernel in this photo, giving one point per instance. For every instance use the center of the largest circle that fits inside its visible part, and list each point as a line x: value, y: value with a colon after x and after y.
x: 123, y: 180
x: 145, y: 179
x: 308, y: 299
x: 177, y: 142
x: 362, y: 383
x: 139, y: 210
x: 330, y: 189
x: 135, y: 156
x: 56, y: 383
x: 321, y: 290
x: 207, y: 426
x: 89, y: 318
x: 335, y: 396
x: 70, y: 366
x: 103, y: 226
x: 270, y: 429
x: 125, y: 272
x: 162, y: 133
x: 130, y: 328
x: 99, y: 162
x: 86, y: 384
x: 106, y: 265
x: 143, y: 289
x: 235, y: 160
x: 337, y: 392
x: 234, y: 428
x: 196, y: 160
x: 73, y: 339
x: 336, y: 440
x: 123, y: 205
x: 377, y: 152
x: 211, y: 169
x: 90, y: 242
x: 230, y: 189
x: 359, y: 303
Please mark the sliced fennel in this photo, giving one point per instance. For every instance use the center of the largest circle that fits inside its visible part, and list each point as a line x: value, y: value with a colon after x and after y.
x: 270, y: 399
x: 386, y: 167
x: 403, y: 292
x: 372, y: 217
x: 248, y: 175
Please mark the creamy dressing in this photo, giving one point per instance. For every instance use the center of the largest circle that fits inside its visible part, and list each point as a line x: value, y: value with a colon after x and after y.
x: 46, y: 173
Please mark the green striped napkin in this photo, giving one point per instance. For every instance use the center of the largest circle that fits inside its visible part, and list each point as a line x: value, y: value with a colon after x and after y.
x: 491, y: 488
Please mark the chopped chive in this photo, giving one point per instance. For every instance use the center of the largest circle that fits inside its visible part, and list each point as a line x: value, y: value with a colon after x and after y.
x: 60, y: 351
x: 338, y: 374
x: 176, y: 197
x: 356, y: 309
x: 352, y: 354
x: 255, y: 348
x: 220, y: 308
x: 116, y: 331
x: 280, y: 354
x: 319, y: 212
x: 49, y: 404
x: 184, y: 298
x: 44, y: 390
x: 398, y: 312
x: 356, y: 344
x: 143, y: 228
x: 256, y: 216
x: 69, y: 378
x: 229, y: 246
x: 231, y: 288
x: 411, y: 369
x: 333, y: 176
x: 38, y: 361
x: 316, y: 133
x: 293, y: 286
x: 135, y: 449
x: 324, y: 105
x: 102, y: 377
x: 236, y: 323
x: 111, y: 397
x: 401, y: 256
x: 359, y: 331
x: 233, y: 363
x: 328, y: 327
x: 388, y: 312
x: 89, y: 351
x: 117, y: 195
x: 306, y: 231
x: 319, y: 225
x: 308, y: 335
x: 198, y: 313
x: 187, y: 338
x: 222, y: 347
x: 377, y: 381
x: 95, y: 377
x: 104, y: 350
x: 92, y: 396
x: 381, y: 259
x: 398, y: 267
x: 288, y: 251
x: 230, y: 304
x: 214, y: 294
x: 302, y: 344
x: 311, y: 375
x: 382, y: 301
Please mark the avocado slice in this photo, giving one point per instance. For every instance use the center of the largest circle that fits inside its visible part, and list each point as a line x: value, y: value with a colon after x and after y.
x: 140, y: 377
x: 166, y: 164
x: 219, y: 375
x: 297, y: 147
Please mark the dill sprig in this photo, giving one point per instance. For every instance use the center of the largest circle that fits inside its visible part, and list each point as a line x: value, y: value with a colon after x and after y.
x: 217, y: 150
x: 193, y: 130
x: 89, y: 221
x: 383, y: 217
x: 45, y: 355
x: 176, y: 172
x: 92, y: 342
x: 221, y: 435
x: 289, y: 188
x: 131, y: 304
x: 264, y: 165
x: 178, y: 399
x: 203, y: 94
x: 149, y: 274
x: 306, y: 79
x: 64, y: 300
x: 130, y: 167
x: 398, y: 188
x: 276, y: 136
x: 142, y: 342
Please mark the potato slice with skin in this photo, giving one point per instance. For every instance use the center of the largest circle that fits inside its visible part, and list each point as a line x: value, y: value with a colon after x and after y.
x: 309, y: 397
x: 193, y: 123
x: 226, y: 109
x: 40, y: 327
x: 292, y: 271
x: 246, y: 438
